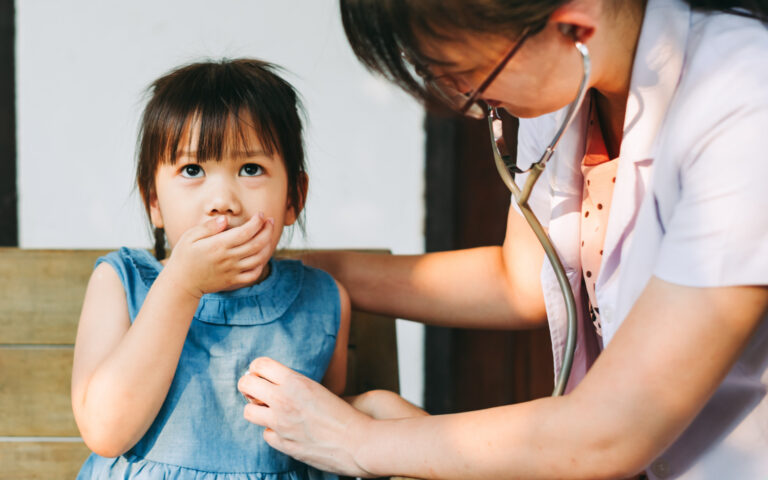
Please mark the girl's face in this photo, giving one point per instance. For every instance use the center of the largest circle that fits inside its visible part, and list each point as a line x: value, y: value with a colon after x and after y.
x: 242, y: 184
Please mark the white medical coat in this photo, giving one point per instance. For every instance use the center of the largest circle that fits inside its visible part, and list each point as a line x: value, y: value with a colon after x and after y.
x: 690, y: 206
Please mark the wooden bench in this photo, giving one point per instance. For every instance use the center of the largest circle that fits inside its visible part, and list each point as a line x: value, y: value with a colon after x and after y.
x: 41, y: 292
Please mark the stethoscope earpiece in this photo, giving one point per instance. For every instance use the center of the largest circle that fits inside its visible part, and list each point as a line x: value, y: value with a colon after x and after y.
x: 566, y: 28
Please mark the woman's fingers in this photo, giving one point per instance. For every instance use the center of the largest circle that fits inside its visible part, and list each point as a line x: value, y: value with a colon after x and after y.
x: 270, y: 370
x: 256, y: 388
x: 303, y: 419
x: 259, y: 414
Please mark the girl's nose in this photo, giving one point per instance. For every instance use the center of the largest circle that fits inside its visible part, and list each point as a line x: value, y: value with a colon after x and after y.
x: 223, y: 200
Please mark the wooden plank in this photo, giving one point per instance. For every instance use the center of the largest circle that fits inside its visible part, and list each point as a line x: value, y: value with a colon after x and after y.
x: 41, y: 292
x: 40, y: 298
x: 35, y: 382
x: 41, y: 460
x: 372, y: 355
x: 34, y: 392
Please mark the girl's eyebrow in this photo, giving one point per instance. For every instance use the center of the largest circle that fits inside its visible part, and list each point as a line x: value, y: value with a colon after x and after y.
x: 237, y: 153
x: 250, y: 153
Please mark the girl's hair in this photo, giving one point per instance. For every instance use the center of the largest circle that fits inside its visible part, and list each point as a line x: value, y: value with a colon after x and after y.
x: 225, y: 98
x: 384, y: 33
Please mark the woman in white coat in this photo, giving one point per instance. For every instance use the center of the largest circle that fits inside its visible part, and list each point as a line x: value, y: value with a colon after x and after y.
x: 656, y: 203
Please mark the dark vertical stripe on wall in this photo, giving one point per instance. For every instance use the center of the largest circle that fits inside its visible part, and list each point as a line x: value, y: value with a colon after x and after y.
x: 468, y: 369
x: 8, y: 198
x: 441, y: 233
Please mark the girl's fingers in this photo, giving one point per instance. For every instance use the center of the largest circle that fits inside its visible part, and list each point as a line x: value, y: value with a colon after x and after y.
x: 254, y: 245
x: 247, y: 278
x: 255, y: 261
x: 210, y: 227
x: 242, y: 233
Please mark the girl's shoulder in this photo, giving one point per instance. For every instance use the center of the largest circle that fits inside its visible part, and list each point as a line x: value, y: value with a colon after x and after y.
x: 132, y: 265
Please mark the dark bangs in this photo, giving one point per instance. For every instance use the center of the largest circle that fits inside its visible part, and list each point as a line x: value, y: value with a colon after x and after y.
x: 219, y: 102
x: 382, y: 33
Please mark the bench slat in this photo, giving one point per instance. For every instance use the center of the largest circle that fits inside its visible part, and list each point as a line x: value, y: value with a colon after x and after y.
x: 41, y: 292
x: 34, y: 392
x: 41, y: 460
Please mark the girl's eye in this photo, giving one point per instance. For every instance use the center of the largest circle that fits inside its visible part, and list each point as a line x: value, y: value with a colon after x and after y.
x: 251, y: 170
x: 192, y: 171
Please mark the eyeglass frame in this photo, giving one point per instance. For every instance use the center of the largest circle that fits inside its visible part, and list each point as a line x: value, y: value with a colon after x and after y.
x: 489, y: 79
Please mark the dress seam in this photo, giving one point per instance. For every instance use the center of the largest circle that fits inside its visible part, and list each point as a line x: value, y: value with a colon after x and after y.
x: 138, y: 457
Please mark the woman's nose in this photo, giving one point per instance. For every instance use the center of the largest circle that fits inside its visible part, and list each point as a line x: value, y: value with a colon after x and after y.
x: 461, y: 84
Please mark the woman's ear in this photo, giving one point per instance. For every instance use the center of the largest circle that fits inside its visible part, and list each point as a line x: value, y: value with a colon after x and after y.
x: 154, y: 211
x: 577, y: 20
x: 293, y: 211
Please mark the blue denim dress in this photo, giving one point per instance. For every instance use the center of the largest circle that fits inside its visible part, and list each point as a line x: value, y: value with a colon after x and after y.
x: 200, y: 433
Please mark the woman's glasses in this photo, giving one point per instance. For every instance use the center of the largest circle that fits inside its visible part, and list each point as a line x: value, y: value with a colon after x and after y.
x: 443, y: 88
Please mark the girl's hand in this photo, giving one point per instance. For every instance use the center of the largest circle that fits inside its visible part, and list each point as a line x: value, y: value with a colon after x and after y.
x: 208, y: 259
x: 384, y: 405
x: 303, y: 419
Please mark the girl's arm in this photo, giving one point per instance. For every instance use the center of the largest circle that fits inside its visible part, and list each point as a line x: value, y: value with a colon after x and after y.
x: 122, y: 371
x: 643, y: 391
x: 383, y: 404
x: 335, y: 378
x: 489, y: 287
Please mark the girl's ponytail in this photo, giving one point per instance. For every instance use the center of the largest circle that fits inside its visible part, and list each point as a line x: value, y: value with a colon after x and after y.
x: 159, y: 243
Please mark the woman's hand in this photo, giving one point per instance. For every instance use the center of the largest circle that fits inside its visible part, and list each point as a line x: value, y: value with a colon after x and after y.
x: 209, y: 259
x: 303, y: 419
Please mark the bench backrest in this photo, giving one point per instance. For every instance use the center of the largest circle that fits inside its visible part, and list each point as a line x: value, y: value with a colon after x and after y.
x: 41, y: 292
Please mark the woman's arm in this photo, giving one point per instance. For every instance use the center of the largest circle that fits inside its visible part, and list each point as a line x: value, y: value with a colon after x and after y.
x: 122, y: 371
x: 335, y: 378
x: 489, y: 287
x: 643, y: 391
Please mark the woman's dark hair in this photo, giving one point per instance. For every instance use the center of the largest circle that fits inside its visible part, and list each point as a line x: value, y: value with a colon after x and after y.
x: 383, y: 33
x: 225, y: 98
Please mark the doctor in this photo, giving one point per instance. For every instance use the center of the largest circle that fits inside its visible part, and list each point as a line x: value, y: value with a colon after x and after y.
x: 656, y: 202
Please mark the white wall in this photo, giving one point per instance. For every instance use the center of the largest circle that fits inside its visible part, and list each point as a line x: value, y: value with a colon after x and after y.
x: 82, y: 66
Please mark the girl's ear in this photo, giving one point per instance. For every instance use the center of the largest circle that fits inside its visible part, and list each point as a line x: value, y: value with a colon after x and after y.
x: 293, y: 211
x: 154, y: 211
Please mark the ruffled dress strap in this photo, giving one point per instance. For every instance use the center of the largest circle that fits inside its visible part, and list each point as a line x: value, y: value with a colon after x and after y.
x: 257, y: 304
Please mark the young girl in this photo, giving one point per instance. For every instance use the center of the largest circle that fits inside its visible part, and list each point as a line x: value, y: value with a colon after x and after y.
x: 162, y: 341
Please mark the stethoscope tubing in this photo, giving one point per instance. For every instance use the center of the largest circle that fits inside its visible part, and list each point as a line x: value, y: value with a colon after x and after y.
x: 521, y: 199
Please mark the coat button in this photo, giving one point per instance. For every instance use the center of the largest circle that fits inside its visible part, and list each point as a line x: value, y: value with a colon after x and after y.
x: 660, y: 468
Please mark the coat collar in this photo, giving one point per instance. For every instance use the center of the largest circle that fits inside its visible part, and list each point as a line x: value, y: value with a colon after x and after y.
x: 656, y: 71
x: 655, y: 75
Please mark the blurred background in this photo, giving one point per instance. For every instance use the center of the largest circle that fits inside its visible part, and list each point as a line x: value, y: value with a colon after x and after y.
x: 383, y: 173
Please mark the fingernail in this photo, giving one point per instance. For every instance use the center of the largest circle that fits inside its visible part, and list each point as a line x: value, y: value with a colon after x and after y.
x: 261, y: 215
x: 221, y: 220
x: 271, y: 220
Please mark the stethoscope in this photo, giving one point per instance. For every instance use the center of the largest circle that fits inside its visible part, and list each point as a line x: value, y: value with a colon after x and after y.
x: 507, y: 167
